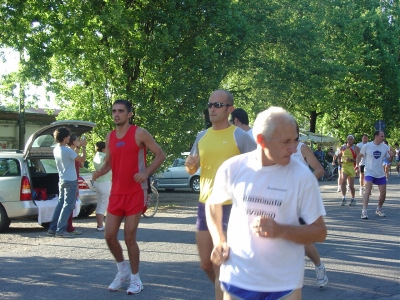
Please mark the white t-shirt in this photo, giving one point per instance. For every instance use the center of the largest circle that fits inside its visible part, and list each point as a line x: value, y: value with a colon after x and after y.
x: 284, y: 193
x: 298, y: 155
x: 360, y: 145
x: 373, y: 158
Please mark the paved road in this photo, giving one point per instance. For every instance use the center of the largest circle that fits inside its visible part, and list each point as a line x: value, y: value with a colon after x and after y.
x: 362, y: 256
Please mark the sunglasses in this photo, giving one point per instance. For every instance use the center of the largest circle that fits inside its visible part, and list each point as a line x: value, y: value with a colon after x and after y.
x: 217, y: 104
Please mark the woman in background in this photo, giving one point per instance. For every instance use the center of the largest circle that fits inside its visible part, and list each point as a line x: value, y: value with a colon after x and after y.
x: 103, y: 185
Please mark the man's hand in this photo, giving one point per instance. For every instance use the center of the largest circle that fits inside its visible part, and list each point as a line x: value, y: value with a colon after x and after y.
x: 191, y: 161
x: 220, y: 254
x: 266, y: 227
x: 140, y: 177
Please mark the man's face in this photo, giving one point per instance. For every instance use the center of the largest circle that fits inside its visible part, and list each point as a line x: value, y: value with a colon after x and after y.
x: 350, y: 141
x: 364, y: 139
x: 282, y: 144
x: 120, y: 114
x: 220, y: 114
x: 380, y: 137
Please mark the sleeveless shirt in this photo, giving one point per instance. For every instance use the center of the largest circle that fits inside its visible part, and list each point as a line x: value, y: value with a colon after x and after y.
x: 127, y: 159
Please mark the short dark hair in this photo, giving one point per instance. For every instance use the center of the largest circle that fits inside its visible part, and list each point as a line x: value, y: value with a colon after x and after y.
x: 72, y: 139
x: 61, y: 133
x: 100, y: 146
x: 376, y: 133
x: 127, y: 104
x: 241, y: 115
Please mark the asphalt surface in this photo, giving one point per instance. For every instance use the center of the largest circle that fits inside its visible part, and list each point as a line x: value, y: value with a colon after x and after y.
x: 362, y: 257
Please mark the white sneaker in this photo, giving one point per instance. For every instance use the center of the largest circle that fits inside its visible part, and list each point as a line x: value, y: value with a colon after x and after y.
x: 123, y: 275
x: 361, y: 192
x: 135, y: 287
x: 339, y: 189
x: 343, y: 201
x: 322, y: 279
x: 364, y: 214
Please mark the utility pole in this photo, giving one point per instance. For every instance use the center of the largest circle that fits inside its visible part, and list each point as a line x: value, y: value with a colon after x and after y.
x: 21, y: 115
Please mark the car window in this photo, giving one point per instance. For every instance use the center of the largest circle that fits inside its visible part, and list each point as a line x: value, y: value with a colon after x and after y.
x: 49, y: 165
x: 180, y: 163
x: 9, y: 167
x: 44, y: 141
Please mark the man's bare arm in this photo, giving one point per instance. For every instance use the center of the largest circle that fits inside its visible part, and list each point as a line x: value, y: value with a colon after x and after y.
x: 312, y: 161
x: 301, y: 234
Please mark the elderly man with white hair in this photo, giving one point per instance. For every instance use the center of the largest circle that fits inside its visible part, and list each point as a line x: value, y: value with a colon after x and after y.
x: 263, y: 253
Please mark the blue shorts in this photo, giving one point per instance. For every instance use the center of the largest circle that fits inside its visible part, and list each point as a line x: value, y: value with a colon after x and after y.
x: 377, y: 181
x: 201, y: 223
x: 245, y: 294
x: 386, y: 162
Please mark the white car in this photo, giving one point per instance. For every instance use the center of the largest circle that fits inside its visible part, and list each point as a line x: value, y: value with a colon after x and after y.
x: 176, y: 177
x: 31, y: 175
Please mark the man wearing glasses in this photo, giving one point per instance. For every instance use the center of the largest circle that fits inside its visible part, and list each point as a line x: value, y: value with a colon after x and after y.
x: 211, y: 148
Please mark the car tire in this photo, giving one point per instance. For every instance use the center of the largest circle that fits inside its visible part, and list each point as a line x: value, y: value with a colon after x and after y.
x: 87, y: 211
x: 195, y: 184
x: 4, y: 219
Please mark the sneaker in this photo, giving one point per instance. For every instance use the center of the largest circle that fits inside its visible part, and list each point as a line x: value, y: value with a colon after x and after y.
x: 343, y: 201
x: 322, y: 279
x: 364, y: 214
x: 348, y: 188
x: 339, y: 189
x: 64, y: 235
x: 100, y: 228
x: 380, y: 213
x: 135, y: 287
x: 51, y: 232
x: 361, y: 192
x: 76, y: 232
x: 352, y: 202
x: 123, y: 275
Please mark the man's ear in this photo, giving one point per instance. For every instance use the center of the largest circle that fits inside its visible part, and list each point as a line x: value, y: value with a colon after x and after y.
x: 260, y: 140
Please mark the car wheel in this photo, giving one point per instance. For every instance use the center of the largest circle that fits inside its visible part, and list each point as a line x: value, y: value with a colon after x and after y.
x: 195, y: 184
x: 4, y: 219
x: 87, y: 211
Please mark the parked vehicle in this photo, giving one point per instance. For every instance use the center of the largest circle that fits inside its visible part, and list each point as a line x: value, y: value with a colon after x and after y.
x: 176, y: 177
x: 31, y: 175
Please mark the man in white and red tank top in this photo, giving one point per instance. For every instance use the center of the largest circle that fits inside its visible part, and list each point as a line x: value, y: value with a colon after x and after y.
x: 126, y: 157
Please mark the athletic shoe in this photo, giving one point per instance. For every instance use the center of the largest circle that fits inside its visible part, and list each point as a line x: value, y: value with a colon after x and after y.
x: 380, y: 213
x: 135, y: 287
x: 123, y: 275
x: 64, y: 235
x: 348, y: 188
x: 100, y: 229
x: 361, y: 192
x: 51, y: 233
x: 76, y: 232
x: 352, y: 202
x: 364, y: 214
x: 322, y: 279
x: 343, y: 201
x: 339, y: 189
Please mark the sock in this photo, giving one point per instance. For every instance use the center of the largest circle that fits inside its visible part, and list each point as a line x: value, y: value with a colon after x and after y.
x: 318, y: 266
x: 135, y: 276
x: 121, y: 264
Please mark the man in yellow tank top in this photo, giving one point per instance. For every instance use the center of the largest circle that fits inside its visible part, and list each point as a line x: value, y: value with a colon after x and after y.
x: 211, y: 148
x: 347, y: 156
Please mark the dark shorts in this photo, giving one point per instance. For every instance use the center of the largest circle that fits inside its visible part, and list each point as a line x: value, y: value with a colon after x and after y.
x: 374, y: 180
x: 246, y: 294
x: 362, y: 169
x: 201, y: 223
x: 127, y: 204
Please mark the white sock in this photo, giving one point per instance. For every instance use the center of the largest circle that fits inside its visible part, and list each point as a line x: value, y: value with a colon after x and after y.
x: 135, y: 276
x: 121, y: 264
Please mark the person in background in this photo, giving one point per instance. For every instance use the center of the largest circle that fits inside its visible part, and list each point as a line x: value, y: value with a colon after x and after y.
x: 103, y: 185
x: 75, y: 144
x: 329, y: 155
x: 240, y: 119
x: 68, y: 184
x: 305, y: 155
